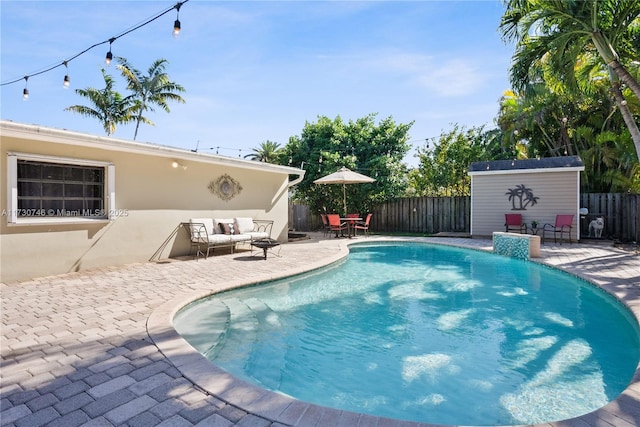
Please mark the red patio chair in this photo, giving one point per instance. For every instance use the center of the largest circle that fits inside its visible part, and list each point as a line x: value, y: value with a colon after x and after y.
x: 325, y: 224
x: 563, y: 224
x: 514, y: 222
x: 335, y: 224
x: 362, y: 226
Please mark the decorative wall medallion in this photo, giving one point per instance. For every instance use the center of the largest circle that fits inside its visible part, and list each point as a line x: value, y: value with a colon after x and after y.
x: 521, y: 197
x: 225, y: 187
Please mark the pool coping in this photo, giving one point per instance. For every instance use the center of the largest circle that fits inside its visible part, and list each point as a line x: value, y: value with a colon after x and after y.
x: 623, y: 411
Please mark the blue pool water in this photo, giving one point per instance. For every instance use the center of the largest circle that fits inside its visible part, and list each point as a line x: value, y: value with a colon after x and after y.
x: 426, y: 333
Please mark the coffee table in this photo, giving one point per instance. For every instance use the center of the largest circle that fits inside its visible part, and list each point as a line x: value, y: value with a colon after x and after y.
x: 265, y: 245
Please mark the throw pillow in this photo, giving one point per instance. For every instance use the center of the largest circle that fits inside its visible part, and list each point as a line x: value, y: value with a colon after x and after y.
x: 228, y: 228
x: 224, y: 228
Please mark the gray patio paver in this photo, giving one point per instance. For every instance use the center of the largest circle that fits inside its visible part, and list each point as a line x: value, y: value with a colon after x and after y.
x: 77, y: 348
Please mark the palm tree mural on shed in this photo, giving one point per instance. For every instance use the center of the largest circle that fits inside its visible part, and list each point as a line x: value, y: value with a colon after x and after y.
x: 521, y: 195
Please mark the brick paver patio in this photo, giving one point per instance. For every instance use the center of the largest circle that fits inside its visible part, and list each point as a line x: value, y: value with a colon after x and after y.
x: 96, y: 348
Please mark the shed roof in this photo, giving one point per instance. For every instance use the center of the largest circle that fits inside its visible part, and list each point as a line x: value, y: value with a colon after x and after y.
x: 573, y: 162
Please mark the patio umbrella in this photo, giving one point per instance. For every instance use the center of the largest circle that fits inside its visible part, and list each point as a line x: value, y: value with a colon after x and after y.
x: 344, y: 176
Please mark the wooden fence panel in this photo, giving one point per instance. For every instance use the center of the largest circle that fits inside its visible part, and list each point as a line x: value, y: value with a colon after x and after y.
x: 431, y: 215
x: 620, y: 212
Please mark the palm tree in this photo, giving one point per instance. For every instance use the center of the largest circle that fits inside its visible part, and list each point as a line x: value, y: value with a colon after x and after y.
x: 155, y: 88
x: 108, y: 105
x: 267, y: 152
x: 560, y: 32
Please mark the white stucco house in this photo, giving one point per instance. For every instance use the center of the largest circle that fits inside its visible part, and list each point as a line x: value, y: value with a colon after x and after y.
x: 72, y: 201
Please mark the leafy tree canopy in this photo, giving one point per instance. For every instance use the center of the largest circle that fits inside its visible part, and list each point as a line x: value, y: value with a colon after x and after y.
x: 112, y: 108
x: 362, y: 145
x: 268, y: 152
x: 443, y: 169
x: 107, y: 105
x: 154, y: 88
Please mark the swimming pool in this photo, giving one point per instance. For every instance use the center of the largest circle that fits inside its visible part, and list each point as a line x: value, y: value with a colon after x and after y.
x: 446, y: 329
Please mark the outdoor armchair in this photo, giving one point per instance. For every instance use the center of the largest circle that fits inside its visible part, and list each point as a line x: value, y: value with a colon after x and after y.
x: 514, y: 222
x: 325, y: 224
x: 335, y: 224
x: 563, y: 224
x: 363, y: 225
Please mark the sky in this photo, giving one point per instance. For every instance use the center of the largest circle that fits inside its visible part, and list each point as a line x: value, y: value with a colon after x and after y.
x: 259, y: 70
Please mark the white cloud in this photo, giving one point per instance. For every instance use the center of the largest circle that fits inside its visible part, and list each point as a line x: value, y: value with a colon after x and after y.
x: 453, y: 77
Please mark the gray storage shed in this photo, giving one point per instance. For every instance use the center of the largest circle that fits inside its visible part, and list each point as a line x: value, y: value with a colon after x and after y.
x: 538, y: 189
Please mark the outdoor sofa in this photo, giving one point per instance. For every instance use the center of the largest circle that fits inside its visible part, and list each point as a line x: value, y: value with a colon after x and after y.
x: 210, y: 233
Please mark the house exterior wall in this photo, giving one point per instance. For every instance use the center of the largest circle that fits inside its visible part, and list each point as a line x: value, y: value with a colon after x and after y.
x: 557, y: 192
x: 152, y: 198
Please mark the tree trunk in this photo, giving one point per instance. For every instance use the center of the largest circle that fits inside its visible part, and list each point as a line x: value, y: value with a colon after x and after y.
x: 626, y: 77
x: 135, y: 134
x: 627, y: 116
x: 611, y: 58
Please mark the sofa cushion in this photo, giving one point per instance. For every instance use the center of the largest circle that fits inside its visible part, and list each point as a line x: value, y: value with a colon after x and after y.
x: 196, y: 228
x: 244, y: 224
x: 219, y: 239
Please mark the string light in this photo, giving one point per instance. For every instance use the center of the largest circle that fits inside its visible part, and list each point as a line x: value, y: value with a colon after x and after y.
x: 25, y: 91
x: 218, y: 148
x: 108, y: 57
x: 176, y: 24
x: 66, y: 82
x: 176, y: 28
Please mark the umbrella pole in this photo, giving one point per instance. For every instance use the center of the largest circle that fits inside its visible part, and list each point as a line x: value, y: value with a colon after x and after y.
x: 344, y: 196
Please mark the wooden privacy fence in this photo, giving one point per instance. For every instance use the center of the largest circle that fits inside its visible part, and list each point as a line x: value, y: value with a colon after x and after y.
x: 620, y: 212
x: 428, y: 215
x: 431, y: 215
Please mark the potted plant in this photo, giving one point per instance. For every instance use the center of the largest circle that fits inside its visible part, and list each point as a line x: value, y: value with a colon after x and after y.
x: 534, y: 224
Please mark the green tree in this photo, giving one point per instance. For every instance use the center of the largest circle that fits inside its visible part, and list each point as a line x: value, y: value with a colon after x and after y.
x: 584, y: 122
x: 539, y: 121
x: 268, y: 152
x: 442, y: 170
x: 373, y: 149
x: 561, y: 32
x: 155, y: 88
x: 108, y: 106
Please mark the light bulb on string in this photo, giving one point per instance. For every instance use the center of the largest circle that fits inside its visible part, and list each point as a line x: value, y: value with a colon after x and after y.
x: 176, y: 23
x: 67, y: 81
x: 109, y: 56
x: 25, y: 91
x: 176, y: 28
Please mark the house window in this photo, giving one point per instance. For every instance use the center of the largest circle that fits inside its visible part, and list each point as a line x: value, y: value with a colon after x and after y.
x: 58, y: 189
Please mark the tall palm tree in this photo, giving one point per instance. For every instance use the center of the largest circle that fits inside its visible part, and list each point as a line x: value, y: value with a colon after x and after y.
x: 267, y: 152
x: 560, y: 32
x: 155, y: 88
x: 108, y: 105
